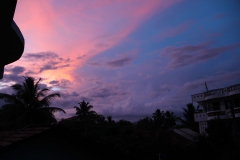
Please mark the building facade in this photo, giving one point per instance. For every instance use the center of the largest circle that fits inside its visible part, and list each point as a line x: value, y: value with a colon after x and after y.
x: 219, y: 103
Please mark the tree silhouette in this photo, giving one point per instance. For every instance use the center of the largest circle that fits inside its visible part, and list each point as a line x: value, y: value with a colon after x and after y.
x: 100, y: 119
x: 188, y: 115
x: 110, y: 120
x: 85, y: 114
x: 158, y: 118
x: 28, y: 104
x: 170, y: 120
x: 145, y: 123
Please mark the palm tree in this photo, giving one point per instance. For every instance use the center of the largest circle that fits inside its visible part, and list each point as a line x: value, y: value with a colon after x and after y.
x: 28, y: 104
x: 158, y: 117
x: 158, y: 114
x: 170, y: 119
x: 84, y: 113
x: 188, y: 115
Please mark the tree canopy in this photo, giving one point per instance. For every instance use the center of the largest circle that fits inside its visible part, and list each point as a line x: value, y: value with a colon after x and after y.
x: 29, y: 104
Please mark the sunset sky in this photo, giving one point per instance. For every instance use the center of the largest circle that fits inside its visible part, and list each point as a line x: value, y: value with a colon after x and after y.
x: 127, y: 57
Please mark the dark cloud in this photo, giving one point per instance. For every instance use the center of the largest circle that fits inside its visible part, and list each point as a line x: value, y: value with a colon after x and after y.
x: 119, y: 62
x: 105, y: 91
x: 16, y: 70
x: 13, y: 74
x: 75, y: 94
x: 40, y: 56
x: 30, y: 72
x: 12, y: 78
x: 53, y: 82
x: 51, y: 60
x: 182, y: 56
x: 52, y: 66
x: 42, y: 85
x: 116, y: 63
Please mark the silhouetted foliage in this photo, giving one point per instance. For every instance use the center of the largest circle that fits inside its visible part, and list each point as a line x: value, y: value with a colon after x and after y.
x: 85, y: 115
x: 170, y: 120
x: 100, y: 119
x: 124, y: 123
x: 110, y: 120
x: 28, y: 104
x: 158, y: 118
x: 145, y: 123
x: 144, y: 140
x: 188, y: 115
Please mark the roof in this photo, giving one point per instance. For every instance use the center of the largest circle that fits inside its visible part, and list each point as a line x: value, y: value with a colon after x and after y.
x: 187, y: 133
x: 10, y: 137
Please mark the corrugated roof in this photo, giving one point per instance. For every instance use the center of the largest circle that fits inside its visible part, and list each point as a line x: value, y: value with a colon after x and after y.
x: 9, y: 137
x: 187, y: 133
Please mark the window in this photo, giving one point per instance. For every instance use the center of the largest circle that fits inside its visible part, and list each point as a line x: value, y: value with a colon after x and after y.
x: 237, y: 102
x: 216, y: 106
x: 209, y: 107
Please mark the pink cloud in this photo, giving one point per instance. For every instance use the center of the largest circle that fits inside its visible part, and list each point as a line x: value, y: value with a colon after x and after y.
x: 78, y: 30
x: 74, y: 29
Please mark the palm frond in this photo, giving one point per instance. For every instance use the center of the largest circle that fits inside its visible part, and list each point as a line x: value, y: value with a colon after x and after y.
x: 53, y: 109
x: 17, y: 87
x: 7, y: 97
x: 41, y: 93
x: 46, y: 101
x: 77, y: 108
x: 37, y: 84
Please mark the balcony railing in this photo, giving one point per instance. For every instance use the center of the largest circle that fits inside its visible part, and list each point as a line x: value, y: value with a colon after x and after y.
x: 216, y: 93
x: 222, y: 114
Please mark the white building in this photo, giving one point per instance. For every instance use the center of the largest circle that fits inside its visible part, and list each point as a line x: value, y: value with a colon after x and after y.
x: 217, y: 103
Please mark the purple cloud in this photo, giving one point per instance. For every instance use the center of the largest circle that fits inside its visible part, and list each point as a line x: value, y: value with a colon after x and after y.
x: 40, y: 56
x: 105, y: 91
x: 53, y: 82
x: 53, y: 66
x: 119, y: 62
x: 185, y: 55
x: 17, y: 70
x: 123, y: 60
x: 116, y: 63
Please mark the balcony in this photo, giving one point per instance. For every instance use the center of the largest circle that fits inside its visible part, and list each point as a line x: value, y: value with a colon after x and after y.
x: 206, y: 116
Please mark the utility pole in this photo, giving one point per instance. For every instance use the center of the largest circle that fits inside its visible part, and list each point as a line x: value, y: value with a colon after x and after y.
x: 206, y: 86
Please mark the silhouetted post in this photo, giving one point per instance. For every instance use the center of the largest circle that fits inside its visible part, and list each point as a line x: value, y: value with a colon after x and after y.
x: 206, y: 86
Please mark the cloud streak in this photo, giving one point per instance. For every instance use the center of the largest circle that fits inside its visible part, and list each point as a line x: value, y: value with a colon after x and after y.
x: 189, y: 54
